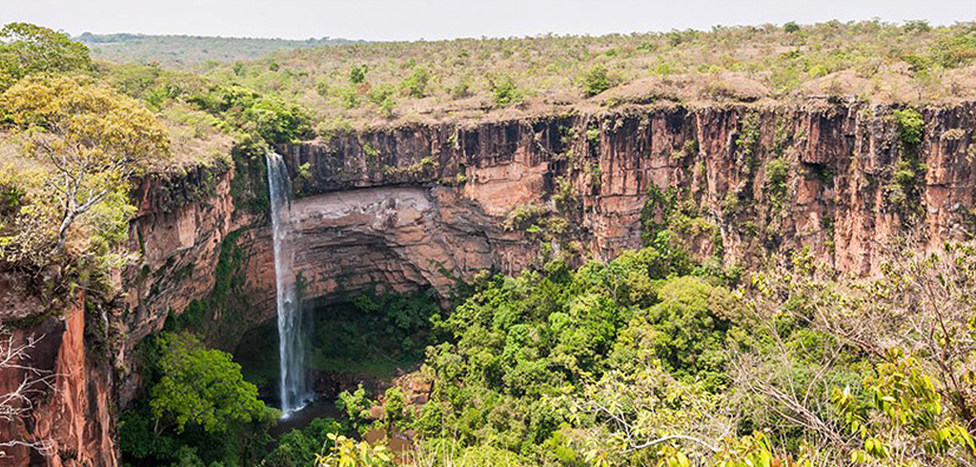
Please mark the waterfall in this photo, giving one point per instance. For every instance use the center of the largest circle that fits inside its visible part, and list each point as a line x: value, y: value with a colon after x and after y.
x: 291, y: 347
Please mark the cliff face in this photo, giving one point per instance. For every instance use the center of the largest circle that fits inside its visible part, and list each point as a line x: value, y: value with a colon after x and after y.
x: 420, y: 206
x: 763, y: 179
x: 74, y: 407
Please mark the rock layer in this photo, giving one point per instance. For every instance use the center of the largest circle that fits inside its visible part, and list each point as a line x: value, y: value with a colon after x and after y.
x: 422, y: 206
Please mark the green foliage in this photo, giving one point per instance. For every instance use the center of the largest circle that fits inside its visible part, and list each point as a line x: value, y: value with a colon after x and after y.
x: 273, y: 118
x: 519, y: 341
x: 777, y: 173
x: 194, y: 407
x: 201, y: 386
x: 356, y: 407
x: 415, y: 85
x: 357, y: 74
x: 278, y: 121
x: 900, y: 398
x: 504, y: 92
x: 911, y: 126
x: 249, y: 187
x: 791, y: 27
x: 346, y: 452
x: 394, y: 406
x: 667, y: 221
x: 749, y: 135
x: 301, y: 448
x: 687, y: 330
x: 373, y: 334
x: 26, y: 49
x: 595, y: 81
x: 905, y: 185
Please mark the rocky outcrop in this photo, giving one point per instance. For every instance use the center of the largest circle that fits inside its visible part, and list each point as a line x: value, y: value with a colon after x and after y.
x: 73, y: 401
x: 422, y: 206
x: 836, y: 195
x: 419, y: 206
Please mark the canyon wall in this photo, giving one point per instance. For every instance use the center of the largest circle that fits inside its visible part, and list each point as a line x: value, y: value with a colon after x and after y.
x: 419, y: 206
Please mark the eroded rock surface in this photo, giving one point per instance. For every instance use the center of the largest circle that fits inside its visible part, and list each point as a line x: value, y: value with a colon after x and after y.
x: 412, y: 207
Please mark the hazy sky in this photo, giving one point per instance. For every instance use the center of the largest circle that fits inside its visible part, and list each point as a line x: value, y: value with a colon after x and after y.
x: 440, y: 19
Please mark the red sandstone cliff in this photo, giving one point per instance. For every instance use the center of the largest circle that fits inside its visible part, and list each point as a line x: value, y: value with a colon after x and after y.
x: 417, y: 206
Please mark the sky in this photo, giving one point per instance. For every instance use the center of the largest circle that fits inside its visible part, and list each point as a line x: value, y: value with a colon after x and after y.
x: 446, y: 19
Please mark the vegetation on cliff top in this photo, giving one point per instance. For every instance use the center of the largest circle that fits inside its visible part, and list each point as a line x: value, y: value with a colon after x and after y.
x: 469, y: 78
x: 76, y: 135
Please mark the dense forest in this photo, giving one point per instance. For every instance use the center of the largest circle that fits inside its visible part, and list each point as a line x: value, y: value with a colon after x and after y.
x: 656, y: 357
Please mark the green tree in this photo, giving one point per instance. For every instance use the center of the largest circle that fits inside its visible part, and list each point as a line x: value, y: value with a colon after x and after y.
x: 356, y: 406
x: 201, y: 386
x: 93, y: 141
x: 595, y: 81
x: 278, y: 121
x: 415, y: 85
x: 27, y: 49
x: 504, y: 91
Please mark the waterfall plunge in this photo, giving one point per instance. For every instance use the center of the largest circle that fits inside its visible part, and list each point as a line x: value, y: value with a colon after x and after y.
x: 291, y: 336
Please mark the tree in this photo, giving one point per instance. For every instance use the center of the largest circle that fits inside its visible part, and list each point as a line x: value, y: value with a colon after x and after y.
x: 415, y: 85
x: 93, y: 142
x: 595, y: 81
x: 906, y: 338
x: 201, y: 386
x: 27, y: 49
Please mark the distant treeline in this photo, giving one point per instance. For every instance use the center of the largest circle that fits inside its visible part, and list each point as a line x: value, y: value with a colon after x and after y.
x: 89, y: 38
x: 181, y: 50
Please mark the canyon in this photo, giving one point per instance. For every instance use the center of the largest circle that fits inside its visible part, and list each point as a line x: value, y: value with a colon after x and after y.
x: 415, y: 206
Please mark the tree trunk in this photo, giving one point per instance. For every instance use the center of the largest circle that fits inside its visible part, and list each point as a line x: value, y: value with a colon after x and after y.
x: 63, y: 232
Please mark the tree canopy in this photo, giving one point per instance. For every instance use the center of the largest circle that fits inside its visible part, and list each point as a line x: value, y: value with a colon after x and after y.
x: 89, y: 141
x: 27, y: 49
x: 202, y: 386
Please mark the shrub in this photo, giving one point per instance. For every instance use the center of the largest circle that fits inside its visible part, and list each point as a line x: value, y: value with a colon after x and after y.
x: 415, y: 85
x: 462, y: 89
x: 356, y: 406
x: 357, y: 74
x: 911, y: 126
x: 504, y: 92
x: 595, y: 81
x: 278, y: 121
x: 776, y: 175
x: 791, y: 27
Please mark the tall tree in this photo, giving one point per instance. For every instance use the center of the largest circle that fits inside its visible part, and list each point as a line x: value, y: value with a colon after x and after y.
x: 91, y: 139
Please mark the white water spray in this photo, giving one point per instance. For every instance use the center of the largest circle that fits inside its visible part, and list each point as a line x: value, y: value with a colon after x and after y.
x: 291, y: 337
